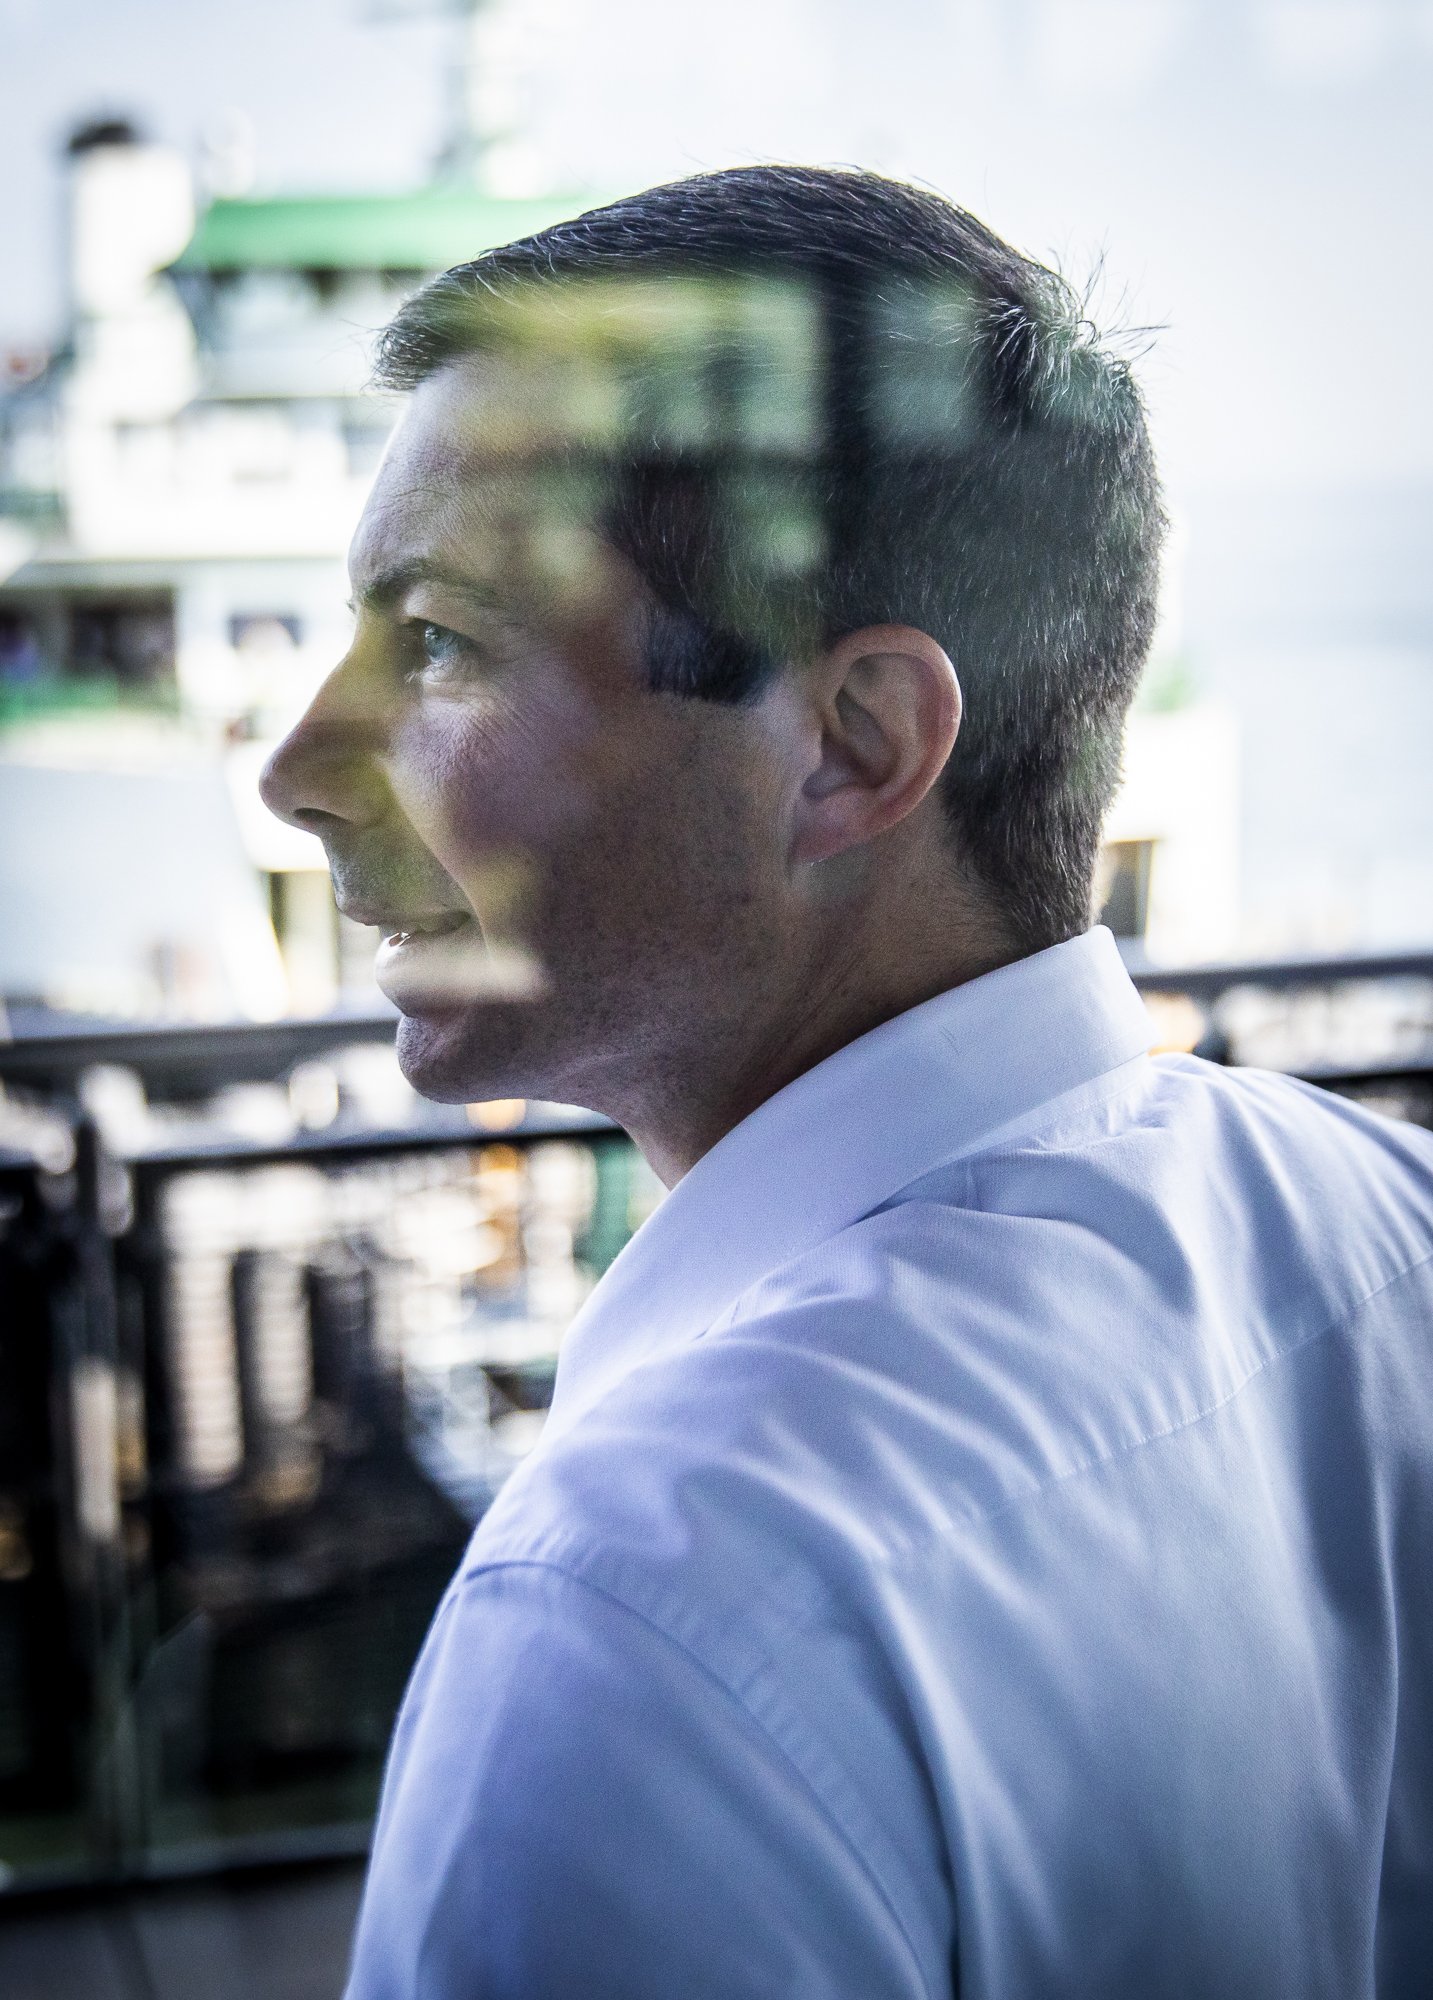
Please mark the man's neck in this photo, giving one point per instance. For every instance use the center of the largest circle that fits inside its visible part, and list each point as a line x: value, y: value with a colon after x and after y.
x: 681, y: 1107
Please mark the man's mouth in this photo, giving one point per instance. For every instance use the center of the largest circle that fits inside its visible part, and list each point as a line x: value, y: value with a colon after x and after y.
x: 405, y: 930
x: 391, y: 923
x: 440, y: 959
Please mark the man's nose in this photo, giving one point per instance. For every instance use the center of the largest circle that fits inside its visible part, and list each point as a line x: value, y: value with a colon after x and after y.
x: 328, y: 768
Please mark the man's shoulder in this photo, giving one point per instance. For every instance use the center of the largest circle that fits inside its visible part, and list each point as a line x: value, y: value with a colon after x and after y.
x: 725, y: 1481
x: 1008, y: 1323
x: 1310, y: 1179
x: 1122, y: 1227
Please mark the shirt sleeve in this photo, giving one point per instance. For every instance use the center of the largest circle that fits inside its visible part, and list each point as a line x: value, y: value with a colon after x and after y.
x: 575, y: 1807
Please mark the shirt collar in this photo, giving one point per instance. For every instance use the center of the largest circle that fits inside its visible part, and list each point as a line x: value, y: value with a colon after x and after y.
x: 835, y: 1143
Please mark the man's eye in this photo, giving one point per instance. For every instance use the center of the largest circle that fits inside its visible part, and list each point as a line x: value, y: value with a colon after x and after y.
x: 448, y: 654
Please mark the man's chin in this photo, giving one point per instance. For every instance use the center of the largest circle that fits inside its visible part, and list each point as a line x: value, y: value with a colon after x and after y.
x: 463, y: 1055
x: 467, y: 1013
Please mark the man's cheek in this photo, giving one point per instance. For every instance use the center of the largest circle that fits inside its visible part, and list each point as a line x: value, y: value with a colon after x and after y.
x: 501, y: 778
x: 483, y: 819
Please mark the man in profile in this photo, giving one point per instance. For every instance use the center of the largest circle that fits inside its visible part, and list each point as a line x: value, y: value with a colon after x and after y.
x: 979, y: 1542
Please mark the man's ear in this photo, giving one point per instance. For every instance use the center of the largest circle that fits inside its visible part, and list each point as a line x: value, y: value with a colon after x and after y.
x: 887, y: 706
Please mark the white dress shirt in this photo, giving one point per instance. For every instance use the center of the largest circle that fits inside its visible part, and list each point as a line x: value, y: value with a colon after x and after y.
x: 981, y: 1544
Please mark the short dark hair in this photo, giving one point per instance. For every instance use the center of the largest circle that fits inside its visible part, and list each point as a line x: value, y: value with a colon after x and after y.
x: 983, y: 471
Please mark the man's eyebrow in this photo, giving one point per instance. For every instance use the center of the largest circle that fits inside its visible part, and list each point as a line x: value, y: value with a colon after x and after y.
x: 387, y: 586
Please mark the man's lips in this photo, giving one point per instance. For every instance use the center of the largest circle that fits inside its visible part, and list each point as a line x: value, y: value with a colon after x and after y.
x: 395, y: 925
x: 441, y: 959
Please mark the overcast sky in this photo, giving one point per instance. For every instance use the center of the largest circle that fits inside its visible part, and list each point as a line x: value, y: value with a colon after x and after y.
x: 1256, y: 173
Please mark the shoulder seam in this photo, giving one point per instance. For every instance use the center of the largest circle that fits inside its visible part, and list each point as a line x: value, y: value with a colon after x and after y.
x: 719, y: 1681
x: 1344, y: 1320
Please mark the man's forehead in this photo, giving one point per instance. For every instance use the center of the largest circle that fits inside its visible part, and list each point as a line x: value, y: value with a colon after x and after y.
x: 410, y: 526
x: 472, y: 496
x: 480, y: 414
x: 453, y: 484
